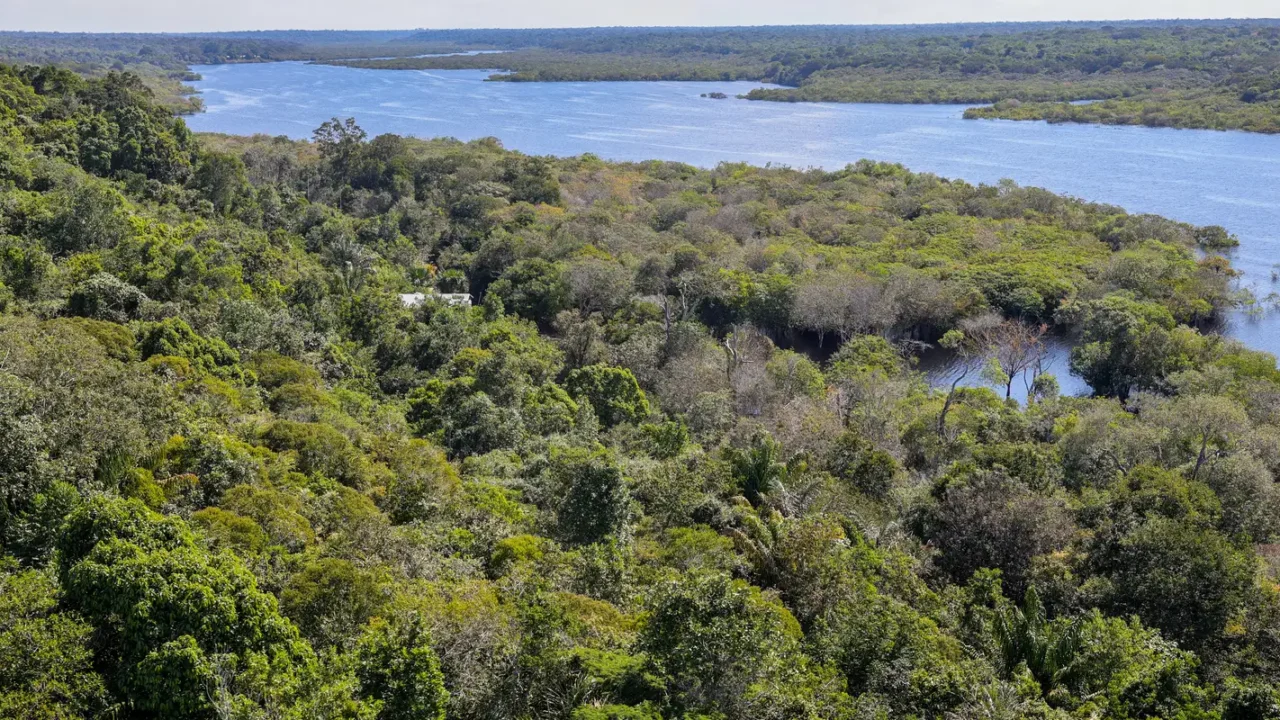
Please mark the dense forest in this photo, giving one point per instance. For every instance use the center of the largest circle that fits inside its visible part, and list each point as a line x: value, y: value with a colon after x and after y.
x: 161, y: 61
x: 673, y: 461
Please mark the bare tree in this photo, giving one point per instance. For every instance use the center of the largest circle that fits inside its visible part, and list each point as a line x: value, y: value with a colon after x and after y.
x: 1017, y: 349
x: 870, y: 403
x: 744, y: 345
x: 1010, y: 347
x: 970, y: 343
x: 691, y: 289
x: 599, y: 286
x: 746, y: 351
x: 669, y: 306
x: 846, y: 304
x: 951, y: 398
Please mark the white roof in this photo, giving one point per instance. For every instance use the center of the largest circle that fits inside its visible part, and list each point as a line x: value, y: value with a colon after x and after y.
x: 411, y: 300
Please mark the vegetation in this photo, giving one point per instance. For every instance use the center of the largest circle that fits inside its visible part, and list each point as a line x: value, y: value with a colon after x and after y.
x: 1203, y: 75
x: 240, y: 478
x: 161, y: 61
x: 1198, y: 108
x: 1195, y: 74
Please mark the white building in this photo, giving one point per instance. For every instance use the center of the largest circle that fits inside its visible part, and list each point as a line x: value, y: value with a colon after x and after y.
x: 412, y: 300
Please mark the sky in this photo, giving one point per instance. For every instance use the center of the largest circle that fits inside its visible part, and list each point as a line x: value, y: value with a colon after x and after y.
x: 211, y: 15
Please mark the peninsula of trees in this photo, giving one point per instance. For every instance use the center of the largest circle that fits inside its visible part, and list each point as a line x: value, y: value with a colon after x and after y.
x: 674, y: 461
x: 1217, y: 75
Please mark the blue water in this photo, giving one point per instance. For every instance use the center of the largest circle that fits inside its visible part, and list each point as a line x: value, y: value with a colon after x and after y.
x: 1198, y: 176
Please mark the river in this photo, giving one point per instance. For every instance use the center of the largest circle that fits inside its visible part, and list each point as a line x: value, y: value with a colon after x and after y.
x: 1198, y: 176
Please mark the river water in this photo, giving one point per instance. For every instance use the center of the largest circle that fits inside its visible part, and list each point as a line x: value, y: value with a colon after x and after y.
x: 1198, y: 176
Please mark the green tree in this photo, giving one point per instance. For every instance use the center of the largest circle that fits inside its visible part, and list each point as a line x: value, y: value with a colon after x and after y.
x: 173, y: 337
x: 278, y: 513
x: 331, y: 599
x: 1204, y: 425
x: 1186, y: 580
x: 106, y: 297
x: 721, y: 646
x: 1026, y: 637
x: 759, y: 469
x: 396, y: 666
x: 613, y: 392
x: 1127, y: 345
x: 1140, y: 673
x: 320, y: 449
x: 166, y: 612
x: 534, y: 289
x: 990, y: 521
x: 222, y: 179
x: 532, y: 180
x: 89, y: 215
x: 477, y: 425
x: 340, y: 142
x: 1250, y: 701
x: 422, y: 481
x: 46, y: 656
x: 596, y: 503
x: 548, y: 410
x: 862, y: 465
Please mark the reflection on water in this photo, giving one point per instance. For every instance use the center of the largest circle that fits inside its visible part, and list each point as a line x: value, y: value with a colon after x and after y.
x: 1198, y: 176
x: 943, y: 366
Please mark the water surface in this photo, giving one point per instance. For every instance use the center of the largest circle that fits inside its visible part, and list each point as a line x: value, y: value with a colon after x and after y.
x: 1198, y: 176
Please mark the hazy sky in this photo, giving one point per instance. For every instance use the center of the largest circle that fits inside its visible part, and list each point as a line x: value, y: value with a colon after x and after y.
x: 208, y: 15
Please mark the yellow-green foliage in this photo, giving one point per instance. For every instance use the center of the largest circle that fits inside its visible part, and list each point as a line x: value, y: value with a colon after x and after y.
x: 240, y: 476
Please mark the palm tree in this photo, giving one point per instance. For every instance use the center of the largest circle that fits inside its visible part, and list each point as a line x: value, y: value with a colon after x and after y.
x: 350, y: 260
x: 1026, y: 635
x: 758, y: 539
x: 994, y: 701
x: 759, y: 468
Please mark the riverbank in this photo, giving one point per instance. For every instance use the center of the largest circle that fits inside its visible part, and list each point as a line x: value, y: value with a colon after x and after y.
x: 1200, y: 177
x: 1187, y: 74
